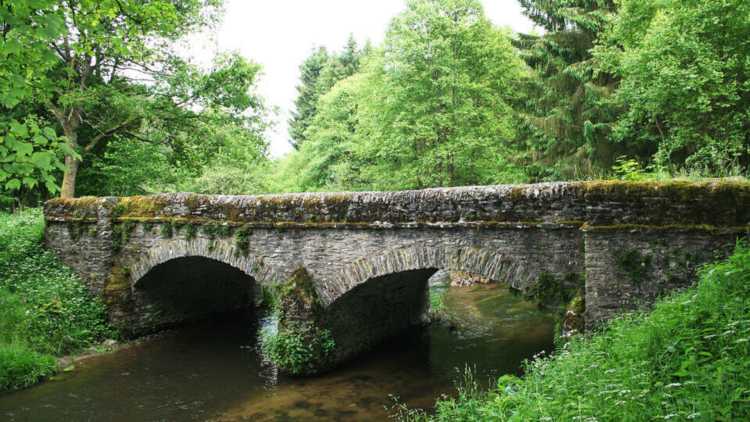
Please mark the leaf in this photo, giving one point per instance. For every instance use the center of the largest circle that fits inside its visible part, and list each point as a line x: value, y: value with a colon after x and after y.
x: 23, y: 148
x: 51, y: 186
x: 13, y: 184
x: 42, y: 160
x: 30, y: 182
x: 18, y: 129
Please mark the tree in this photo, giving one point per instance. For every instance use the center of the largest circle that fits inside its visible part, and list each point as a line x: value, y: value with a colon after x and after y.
x: 685, y: 81
x: 437, y: 110
x: 566, y: 109
x: 30, y: 150
x: 116, y: 76
x: 307, y: 95
x: 318, y: 74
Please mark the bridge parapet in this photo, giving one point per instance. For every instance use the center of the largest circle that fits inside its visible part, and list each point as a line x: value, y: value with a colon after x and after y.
x: 718, y: 203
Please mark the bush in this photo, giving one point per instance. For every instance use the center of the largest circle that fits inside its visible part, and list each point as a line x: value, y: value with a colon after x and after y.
x: 21, y: 367
x: 44, y: 308
x: 298, y: 349
x: 687, y: 359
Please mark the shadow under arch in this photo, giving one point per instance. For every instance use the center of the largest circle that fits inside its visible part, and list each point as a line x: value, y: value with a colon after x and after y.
x: 190, y: 288
x: 222, y: 252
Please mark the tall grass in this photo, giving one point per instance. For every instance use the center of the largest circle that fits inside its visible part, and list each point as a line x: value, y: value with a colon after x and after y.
x: 688, y: 359
x: 45, y: 310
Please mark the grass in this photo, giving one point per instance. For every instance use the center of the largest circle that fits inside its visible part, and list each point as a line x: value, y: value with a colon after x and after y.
x: 45, y: 310
x: 688, y: 359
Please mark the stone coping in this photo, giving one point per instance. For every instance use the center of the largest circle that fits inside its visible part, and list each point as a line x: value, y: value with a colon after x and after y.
x: 713, y: 203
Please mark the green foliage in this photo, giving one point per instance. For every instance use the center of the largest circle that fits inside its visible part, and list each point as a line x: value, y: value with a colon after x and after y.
x: 687, y: 359
x: 30, y: 154
x: 446, y: 119
x: 21, y: 367
x: 628, y: 169
x: 242, y: 240
x: 437, y: 297
x: 269, y: 298
x: 44, y: 308
x: 684, y: 88
x: 564, y: 105
x: 191, y: 231
x: 166, y: 230
x: 299, y: 349
x: 30, y: 150
x: 106, y: 77
x: 318, y: 74
x: 216, y: 230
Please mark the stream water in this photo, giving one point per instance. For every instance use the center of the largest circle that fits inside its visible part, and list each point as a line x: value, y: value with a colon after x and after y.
x: 211, y: 371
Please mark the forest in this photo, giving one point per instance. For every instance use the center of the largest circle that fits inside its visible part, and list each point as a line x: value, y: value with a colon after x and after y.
x: 95, y: 100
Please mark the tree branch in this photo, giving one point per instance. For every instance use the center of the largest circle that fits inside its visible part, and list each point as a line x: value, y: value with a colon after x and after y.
x: 109, y: 132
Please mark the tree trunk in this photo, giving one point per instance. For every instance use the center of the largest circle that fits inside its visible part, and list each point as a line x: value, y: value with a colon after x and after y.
x: 68, y: 189
x: 70, y: 130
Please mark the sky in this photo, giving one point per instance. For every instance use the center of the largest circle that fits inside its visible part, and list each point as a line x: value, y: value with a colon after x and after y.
x: 280, y: 34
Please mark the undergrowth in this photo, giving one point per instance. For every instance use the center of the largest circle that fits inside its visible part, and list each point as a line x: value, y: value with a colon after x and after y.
x: 298, y: 349
x: 688, y: 359
x: 45, y: 310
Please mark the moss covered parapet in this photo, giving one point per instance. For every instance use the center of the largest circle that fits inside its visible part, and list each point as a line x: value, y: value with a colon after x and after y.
x: 718, y: 203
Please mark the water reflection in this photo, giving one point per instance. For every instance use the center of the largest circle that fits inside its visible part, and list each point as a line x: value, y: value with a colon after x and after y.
x: 212, y: 371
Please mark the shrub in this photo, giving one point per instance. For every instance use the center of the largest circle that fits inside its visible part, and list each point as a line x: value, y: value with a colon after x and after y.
x: 21, y: 367
x: 298, y: 349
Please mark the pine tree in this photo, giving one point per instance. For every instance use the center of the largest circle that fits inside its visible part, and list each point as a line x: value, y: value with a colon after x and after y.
x: 307, y: 97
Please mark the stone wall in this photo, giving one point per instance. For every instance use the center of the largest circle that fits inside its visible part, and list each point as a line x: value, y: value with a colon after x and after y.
x: 370, y: 253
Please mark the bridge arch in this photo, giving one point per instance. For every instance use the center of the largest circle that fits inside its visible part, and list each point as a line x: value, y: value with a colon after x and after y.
x: 380, y: 296
x: 222, y: 252
x: 484, y: 262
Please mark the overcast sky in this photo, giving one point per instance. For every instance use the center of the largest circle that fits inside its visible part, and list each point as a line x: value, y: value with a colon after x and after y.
x: 280, y: 34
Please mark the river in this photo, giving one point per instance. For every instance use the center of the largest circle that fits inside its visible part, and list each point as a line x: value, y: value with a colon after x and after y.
x: 212, y: 371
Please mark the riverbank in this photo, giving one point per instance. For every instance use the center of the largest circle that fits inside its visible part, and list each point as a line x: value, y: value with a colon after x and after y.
x: 45, y: 311
x: 688, y: 359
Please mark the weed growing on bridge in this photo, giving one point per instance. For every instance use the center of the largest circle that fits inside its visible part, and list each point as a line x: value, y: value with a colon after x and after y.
x: 191, y: 231
x: 689, y: 359
x: 635, y: 264
x: 300, y: 348
x: 166, y: 230
x: 45, y: 310
x: 121, y: 235
x: 242, y: 240
x: 215, y: 230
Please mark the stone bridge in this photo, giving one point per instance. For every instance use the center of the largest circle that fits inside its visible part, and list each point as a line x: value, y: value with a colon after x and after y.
x: 164, y: 259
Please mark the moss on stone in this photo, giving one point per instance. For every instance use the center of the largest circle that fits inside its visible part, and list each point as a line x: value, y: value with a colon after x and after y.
x: 76, y: 230
x: 139, y: 206
x: 117, y: 288
x: 166, y: 230
x: 217, y: 230
x: 299, y: 293
x: 554, y: 291
x: 121, y: 235
x: 191, y: 231
x: 242, y: 240
x: 636, y: 265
